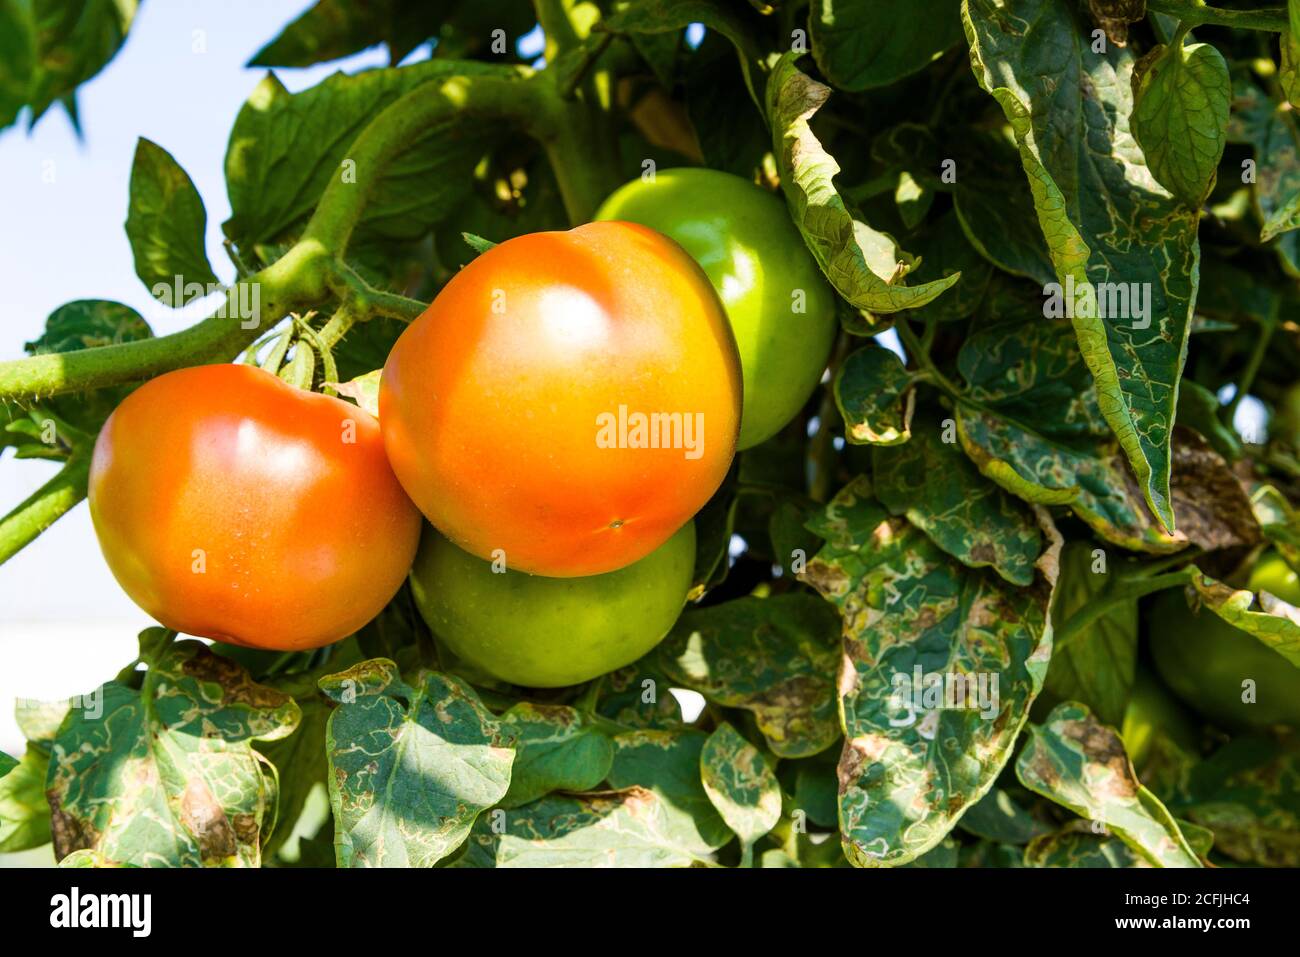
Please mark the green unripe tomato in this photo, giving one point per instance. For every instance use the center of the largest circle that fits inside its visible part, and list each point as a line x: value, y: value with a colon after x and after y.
x: 1152, y: 710
x: 742, y: 236
x: 550, y: 632
x: 1205, y: 660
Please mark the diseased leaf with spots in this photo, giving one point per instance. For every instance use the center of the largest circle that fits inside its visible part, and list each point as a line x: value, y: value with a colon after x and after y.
x: 1279, y: 522
x: 1261, y: 615
x: 167, y: 775
x: 875, y: 395
x: 1269, y: 127
x: 775, y: 657
x: 632, y: 827
x: 1080, y: 763
x: 166, y: 224
x: 1180, y: 114
x: 741, y: 785
x: 942, y: 493
x: 1078, y: 845
x: 1032, y: 423
x: 411, y: 766
x: 1248, y: 794
x: 1114, y: 17
x: 1213, y: 508
x: 913, y: 760
x: 667, y: 763
x: 556, y: 749
x: 860, y: 44
x: 637, y: 695
x: 864, y: 265
x: 1109, y: 225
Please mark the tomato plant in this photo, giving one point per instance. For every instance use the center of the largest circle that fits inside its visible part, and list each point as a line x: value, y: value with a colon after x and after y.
x: 850, y: 434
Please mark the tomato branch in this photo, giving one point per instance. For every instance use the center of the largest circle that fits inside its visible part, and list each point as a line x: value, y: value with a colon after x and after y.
x: 1195, y: 13
x: 45, y: 506
x: 294, y: 281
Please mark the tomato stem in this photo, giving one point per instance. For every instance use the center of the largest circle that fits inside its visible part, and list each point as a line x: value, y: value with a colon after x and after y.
x: 45, y: 506
x: 1196, y: 12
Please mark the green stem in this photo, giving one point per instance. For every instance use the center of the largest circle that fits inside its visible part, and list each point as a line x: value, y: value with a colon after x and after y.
x: 1121, y: 594
x: 46, y: 505
x: 1195, y: 13
x: 332, y: 333
x: 556, y: 19
x: 368, y: 302
x: 919, y: 354
x: 515, y: 100
x: 581, y: 154
x: 290, y: 283
x: 1252, y: 366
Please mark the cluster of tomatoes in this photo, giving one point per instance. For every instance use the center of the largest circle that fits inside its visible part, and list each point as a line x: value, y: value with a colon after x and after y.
x: 559, y: 414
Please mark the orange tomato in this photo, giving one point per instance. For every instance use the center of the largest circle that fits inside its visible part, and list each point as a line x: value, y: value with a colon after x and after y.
x: 233, y: 506
x: 568, y: 402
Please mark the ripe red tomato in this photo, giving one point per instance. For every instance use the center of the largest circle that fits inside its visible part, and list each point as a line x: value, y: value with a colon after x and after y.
x: 570, y: 399
x: 233, y: 506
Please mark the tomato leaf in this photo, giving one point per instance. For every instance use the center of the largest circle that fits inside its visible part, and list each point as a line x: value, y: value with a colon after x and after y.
x: 741, y: 785
x: 17, y: 57
x: 166, y: 222
x: 1180, y: 116
x: 556, y: 749
x: 1080, y: 763
x: 1110, y: 226
x: 908, y: 608
x: 1264, y: 616
x: 860, y: 44
x: 74, y: 39
x: 775, y: 657
x: 668, y: 764
x: 1248, y: 794
x: 167, y: 774
x: 664, y: 16
x: 998, y: 817
x: 1079, y: 845
x: 875, y: 395
x: 477, y: 243
x: 996, y: 213
x: 411, y: 767
x: 933, y: 483
x: 24, y: 812
x: 1269, y: 127
x: 285, y: 147
x: 631, y: 827
x: 1031, y: 421
x: 1098, y: 667
x: 864, y: 265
